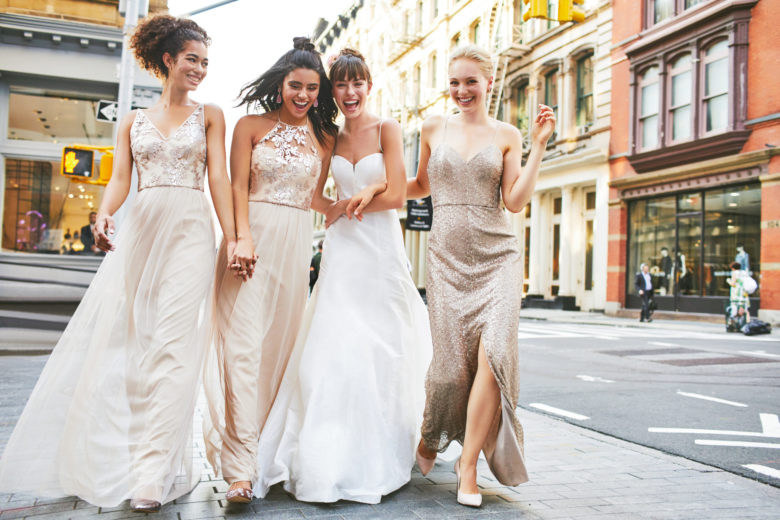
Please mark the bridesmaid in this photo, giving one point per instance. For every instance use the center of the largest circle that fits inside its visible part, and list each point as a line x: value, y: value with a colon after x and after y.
x: 474, y: 276
x: 277, y: 160
x: 111, y: 415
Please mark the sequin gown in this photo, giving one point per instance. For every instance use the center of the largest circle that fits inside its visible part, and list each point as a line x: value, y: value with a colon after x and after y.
x: 346, y: 420
x: 110, y: 417
x: 474, y: 291
x: 256, y: 321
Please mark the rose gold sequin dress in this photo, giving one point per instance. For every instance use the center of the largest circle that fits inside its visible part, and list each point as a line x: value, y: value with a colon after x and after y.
x: 256, y: 321
x: 474, y: 290
x: 111, y: 415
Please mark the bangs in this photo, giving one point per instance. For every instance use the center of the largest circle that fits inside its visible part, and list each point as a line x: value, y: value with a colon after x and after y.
x: 349, y: 69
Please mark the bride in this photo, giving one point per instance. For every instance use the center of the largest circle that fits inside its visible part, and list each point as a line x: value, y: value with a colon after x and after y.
x: 344, y: 423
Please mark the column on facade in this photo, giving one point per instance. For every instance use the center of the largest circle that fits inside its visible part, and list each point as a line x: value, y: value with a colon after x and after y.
x: 535, y: 268
x: 601, y: 241
x: 565, y: 259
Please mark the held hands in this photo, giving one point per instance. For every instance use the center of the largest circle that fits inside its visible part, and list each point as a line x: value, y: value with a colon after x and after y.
x: 103, y: 227
x: 334, y: 212
x: 242, y: 259
x: 544, y: 125
x: 362, y: 199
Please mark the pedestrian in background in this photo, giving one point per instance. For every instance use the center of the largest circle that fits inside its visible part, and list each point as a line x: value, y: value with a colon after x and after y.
x: 88, y: 235
x: 643, y: 283
x: 468, y: 163
x: 111, y: 415
x: 739, y: 301
x: 314, y: 266
x: 277, y: 159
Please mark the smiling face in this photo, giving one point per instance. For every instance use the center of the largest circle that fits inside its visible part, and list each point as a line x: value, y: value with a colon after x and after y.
x: 351, y: 95
x: 300, y: 89
x: 189, y: 67
x: 468, y: 85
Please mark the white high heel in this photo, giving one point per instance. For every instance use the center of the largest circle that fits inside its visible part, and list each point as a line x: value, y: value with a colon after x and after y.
x: 466, y: 499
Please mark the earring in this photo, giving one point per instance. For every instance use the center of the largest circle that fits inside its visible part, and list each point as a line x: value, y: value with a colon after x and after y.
x: 316, y: 103
x: 279, y: 96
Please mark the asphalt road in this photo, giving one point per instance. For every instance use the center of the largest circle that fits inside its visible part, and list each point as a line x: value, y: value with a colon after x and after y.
x: 711, y: 397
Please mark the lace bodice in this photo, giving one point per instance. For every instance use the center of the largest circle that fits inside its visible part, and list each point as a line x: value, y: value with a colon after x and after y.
x: 284, y: 167
x: 178, y: 160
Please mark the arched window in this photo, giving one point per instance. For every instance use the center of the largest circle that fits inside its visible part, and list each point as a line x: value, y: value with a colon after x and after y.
x: 681, y: 89
x: 585, y: 91
x: 520, y: 101
x: 648, y: 111
x: 716, y: 87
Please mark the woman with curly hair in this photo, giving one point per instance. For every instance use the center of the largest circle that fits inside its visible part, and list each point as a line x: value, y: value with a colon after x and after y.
x: 111, y: 415
x: 279, y: 162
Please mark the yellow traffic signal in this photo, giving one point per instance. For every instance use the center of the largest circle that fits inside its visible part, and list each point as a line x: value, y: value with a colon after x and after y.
x: 106, y: 166
x: 536, y: 9
x: 77, y: 162
x: 568, y: 13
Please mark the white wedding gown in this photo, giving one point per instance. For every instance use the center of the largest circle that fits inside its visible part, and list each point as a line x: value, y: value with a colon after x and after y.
x: 347, y: 416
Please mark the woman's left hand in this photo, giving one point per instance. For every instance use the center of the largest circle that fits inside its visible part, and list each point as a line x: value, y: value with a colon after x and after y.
x: 544, y: 125
x: 334, y: 212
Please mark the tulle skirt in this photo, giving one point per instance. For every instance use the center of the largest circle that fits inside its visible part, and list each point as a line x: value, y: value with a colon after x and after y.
x: 255, y: 324
x: 348, y: 413
x: 110, y: 417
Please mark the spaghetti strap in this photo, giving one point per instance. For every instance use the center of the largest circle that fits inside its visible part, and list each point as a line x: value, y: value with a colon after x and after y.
x: 381, y: 122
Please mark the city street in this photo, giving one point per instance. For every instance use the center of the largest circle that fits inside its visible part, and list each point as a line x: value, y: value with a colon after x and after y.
x: 628, y: 396
x: 702, y: 394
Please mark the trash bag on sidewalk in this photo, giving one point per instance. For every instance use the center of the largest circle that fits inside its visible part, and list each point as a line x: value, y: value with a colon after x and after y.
x: 755, y: 326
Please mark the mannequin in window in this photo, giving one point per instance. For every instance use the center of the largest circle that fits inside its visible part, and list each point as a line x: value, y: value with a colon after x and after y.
x: 742, y: 258
x: 666, y: 269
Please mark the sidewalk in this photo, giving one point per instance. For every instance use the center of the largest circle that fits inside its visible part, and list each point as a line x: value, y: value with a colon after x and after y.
x: 597, y: 318
x: 575, y: 473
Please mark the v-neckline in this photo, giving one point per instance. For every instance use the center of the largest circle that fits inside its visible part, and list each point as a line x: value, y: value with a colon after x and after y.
x: 467, y: 161
x: 175, y: 130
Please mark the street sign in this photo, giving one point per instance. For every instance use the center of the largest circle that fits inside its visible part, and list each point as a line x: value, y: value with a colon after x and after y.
x: 419, y: 214
x: 106, y: 111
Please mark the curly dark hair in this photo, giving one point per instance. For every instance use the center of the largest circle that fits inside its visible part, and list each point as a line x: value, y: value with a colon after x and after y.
x: 349, y: 65
x: 262, y: 91
x: 160, y: 34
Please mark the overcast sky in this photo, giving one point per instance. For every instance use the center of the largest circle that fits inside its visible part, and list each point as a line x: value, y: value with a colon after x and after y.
x: 248, y: 36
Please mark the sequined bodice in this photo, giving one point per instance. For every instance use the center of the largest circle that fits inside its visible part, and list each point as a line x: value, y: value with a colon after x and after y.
x: 177, y: 160
x: 284, y: 167
x: 472, y: 182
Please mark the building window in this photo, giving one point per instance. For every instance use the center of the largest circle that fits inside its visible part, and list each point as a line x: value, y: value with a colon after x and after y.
x: 590, y: 218
x: 433, y: 80
x: 417, y: 84
x: 716, y: 87
x: 475, y: 33
x: 659, y: 10
x: 648, y: 114
x: 681, y: 88
x: 585, y: 91
x: 435, y: 9
x: 551, y: 90
x: 521, y: 108
x: 420, y: 10
x: 455, y: 41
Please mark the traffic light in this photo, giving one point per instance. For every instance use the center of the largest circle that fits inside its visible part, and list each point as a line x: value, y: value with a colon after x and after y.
x: 77, y: 162
x: 536, y: 9
x: 106, y: 166
x: 567, y: 12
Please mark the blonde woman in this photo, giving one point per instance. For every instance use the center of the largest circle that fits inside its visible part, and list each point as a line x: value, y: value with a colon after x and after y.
x: 469, y: 163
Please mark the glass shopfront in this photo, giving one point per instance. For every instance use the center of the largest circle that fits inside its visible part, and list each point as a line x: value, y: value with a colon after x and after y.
x: 689, y: 240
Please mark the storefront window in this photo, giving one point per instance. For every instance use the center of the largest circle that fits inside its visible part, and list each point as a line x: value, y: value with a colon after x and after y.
x: 56, y: 117
x: 690, y: 239
x: 43, y: 211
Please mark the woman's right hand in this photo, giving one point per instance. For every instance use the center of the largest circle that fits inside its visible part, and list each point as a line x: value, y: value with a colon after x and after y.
x: 244, y: 259
x: 103, y: 226
x: 335, y: 211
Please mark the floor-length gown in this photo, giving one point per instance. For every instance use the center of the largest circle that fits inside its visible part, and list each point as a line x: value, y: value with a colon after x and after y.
x: 256, y: 321
x: 110, y: 417
x: 345, y: 422
x: 474, y: 291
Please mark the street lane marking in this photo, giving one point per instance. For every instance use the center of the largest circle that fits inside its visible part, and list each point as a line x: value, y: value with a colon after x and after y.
x: 758, y: 353
x: 558, y: 411
x: 770, y: 426
x: 594, y: 379
x: 758, y: 468
x: 663, y: 344
x: 714, y: 399
x: 738, y: 444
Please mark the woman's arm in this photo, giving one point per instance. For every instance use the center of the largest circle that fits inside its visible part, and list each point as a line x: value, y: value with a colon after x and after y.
x: 419, y: 187
x: 118, y: 187
x: 219, y: 183
x: 518, y: 182
x: 240, y: 156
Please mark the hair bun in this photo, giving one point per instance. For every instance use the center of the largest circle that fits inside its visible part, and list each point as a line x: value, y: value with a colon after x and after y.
x: 347, y: 51
x: 302, y: 43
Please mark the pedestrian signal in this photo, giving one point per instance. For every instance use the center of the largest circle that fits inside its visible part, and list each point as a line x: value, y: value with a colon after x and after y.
x: 77, y: 162
x: 536, y: 9
x: 568, y: 13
